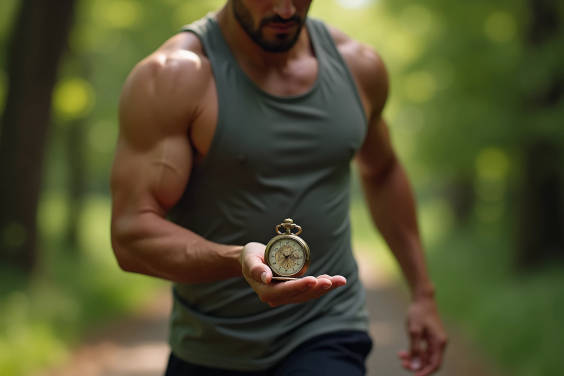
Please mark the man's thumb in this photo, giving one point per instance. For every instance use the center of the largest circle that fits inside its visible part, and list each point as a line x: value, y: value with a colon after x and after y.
x: 261, y: 274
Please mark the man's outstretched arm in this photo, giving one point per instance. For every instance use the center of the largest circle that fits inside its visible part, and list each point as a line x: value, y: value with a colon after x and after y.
x: 151, y: 170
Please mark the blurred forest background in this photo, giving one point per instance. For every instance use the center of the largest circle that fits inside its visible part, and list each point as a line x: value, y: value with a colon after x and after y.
x: 476, y: 112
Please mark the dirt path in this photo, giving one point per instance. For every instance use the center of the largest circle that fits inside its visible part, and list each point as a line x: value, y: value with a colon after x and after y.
x: 132, y: 346
x: 137, y: 346
x: 387, y: 306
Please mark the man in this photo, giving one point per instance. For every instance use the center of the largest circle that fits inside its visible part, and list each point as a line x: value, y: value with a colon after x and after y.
x: 250, y: 116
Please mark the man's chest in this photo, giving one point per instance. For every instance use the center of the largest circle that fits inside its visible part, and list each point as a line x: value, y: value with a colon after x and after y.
x: 298, y: 79
x: 269, y: 136
x: 295, y: 79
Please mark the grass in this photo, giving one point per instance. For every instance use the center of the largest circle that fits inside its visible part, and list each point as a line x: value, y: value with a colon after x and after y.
x: 514, y: 316
x: 72, y: 292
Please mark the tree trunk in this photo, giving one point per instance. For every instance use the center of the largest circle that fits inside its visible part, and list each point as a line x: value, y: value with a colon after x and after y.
x: 541, y: 226
x: 461, y: 196
x: 76, y: 182
x: 542, y: 205
x: 37, y: 45
x: 75, y: 145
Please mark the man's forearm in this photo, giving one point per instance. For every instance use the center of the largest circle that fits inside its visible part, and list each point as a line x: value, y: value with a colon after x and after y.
x: 149, y: 244
x: 392, y: 208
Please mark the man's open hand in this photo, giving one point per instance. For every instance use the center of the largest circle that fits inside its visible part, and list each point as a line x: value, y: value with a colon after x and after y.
x: 259, y: 277
x: 427, y: 338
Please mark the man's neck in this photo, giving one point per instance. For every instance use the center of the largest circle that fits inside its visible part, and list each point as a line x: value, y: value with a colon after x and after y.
x: 244, y: 47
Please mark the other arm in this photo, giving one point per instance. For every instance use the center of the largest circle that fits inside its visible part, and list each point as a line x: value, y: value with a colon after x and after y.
x: 392, y: 207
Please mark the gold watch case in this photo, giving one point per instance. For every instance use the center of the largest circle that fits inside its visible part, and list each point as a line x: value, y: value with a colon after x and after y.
x: 285, y: 254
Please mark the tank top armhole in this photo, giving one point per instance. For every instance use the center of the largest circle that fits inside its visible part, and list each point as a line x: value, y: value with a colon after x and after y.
x: 201, y: 30
x: 332, y: 50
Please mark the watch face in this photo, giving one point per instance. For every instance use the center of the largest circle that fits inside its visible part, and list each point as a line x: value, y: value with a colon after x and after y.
x: 287, y: 257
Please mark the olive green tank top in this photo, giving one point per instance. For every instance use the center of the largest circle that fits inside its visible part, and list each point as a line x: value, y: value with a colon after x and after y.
x: 271, y: 158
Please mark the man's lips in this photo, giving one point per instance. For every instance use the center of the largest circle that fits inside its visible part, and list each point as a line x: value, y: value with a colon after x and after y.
x: 282, y: 27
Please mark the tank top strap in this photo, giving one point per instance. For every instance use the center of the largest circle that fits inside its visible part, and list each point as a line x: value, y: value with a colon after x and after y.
x: 329, y: 54
x: 207, y: 30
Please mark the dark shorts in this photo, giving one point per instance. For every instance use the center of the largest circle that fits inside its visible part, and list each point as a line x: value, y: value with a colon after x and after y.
x: 339, y: 353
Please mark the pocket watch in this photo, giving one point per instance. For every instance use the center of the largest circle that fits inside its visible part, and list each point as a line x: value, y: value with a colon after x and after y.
x: 287, y: 254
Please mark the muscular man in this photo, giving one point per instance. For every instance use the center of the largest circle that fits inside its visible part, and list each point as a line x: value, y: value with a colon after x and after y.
x: 249, y: 116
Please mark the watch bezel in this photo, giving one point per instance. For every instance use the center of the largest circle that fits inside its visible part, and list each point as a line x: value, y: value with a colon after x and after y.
x: 297, y: 239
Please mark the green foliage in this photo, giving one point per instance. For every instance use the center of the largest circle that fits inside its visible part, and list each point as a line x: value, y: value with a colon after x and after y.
x: 67, y: 297
x: 463, y: 87
x: 515, y: 319
x: 108, y: 39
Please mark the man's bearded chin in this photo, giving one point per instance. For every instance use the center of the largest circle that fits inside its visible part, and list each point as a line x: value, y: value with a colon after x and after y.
x: 283, y: 42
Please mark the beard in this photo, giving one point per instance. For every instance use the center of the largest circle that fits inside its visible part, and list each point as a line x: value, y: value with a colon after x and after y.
x: 283, y: 41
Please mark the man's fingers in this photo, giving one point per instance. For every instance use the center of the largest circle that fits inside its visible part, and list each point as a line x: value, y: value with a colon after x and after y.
x: 266, y: 277
x: 408, y: 362
x: 322, y: 288
x: 303, y: 289
x: 287, y: 292
x: 415, y: 343
x: 434, y: 355
x: 300, y: 285
x: 338, y: 280
x: 427, y: 339
x: 252, y: 260
x: 262, y: 274
x: 324, y: 282
x: 405, y: 358
x: 259, y: 271
x: 430, y: 368
x: 415, y: 337
x: 404, y: 355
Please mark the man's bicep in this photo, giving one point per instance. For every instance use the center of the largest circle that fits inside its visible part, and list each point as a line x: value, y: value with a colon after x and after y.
x: 151, y: 179
x: 171, y: 168
x: 153, y: 156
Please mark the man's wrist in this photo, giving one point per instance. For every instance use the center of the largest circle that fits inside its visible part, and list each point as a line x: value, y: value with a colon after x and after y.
x: 423, y: 292
x: 237, y: 254
x: 230, y: 258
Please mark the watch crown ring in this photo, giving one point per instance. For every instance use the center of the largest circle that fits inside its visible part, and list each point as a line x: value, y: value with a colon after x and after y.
x: 288, y: 227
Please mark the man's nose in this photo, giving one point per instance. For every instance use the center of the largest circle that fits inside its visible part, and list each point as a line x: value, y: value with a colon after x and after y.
x: 285, y: 8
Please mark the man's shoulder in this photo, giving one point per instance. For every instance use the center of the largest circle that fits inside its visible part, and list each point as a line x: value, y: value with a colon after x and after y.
x: 360, y: 56
x: 176, y: 71
x: 180, y: 63
x: 166, y: 87
x: 366, y: 65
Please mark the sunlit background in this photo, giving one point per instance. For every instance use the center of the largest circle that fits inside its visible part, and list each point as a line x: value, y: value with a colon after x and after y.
x: 477, y: 116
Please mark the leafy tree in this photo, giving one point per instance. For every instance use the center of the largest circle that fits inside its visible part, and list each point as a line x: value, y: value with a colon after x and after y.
x: 37, y: 45
x: 484, y: 97
x: 541, y: 220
